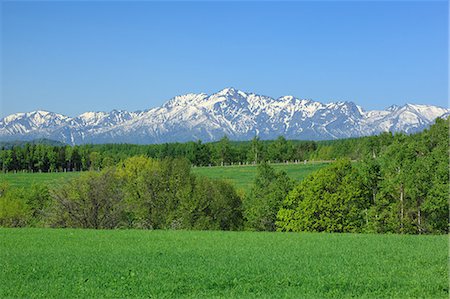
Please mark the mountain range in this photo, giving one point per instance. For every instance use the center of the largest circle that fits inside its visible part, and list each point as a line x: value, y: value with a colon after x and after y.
x: 237, y: 114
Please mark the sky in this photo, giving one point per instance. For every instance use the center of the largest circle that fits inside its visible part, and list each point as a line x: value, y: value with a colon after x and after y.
x: 72, y: 57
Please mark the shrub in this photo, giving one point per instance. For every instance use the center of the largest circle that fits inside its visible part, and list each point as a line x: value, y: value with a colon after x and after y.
x: 332, y: 200
x: 213, y: 205
x: 266, y: 197
x: 14, y: 211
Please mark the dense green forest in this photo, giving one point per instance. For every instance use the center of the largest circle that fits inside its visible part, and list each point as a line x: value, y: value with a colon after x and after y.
x: 35, y: 157
x: 399, y: 185
x: 404, y: 188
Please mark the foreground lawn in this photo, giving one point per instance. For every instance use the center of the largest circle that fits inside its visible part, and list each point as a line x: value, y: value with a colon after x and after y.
x: 137, y: 263
x: 240, y: 176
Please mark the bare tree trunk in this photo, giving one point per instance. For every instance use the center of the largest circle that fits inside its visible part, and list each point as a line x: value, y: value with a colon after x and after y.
x: 419, y: 218
x: 402, y: 212
x: 374, y: 198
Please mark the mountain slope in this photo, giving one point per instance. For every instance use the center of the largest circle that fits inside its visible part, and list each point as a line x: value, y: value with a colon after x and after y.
x: 238, y: 114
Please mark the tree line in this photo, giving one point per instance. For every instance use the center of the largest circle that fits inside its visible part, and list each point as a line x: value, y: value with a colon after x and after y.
x: 44, y: 157
x: 400, y: 185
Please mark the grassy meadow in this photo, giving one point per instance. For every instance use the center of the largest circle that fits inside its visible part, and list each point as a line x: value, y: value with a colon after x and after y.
x: 240, y: 176
x: 23, y: 179
x: 68, y: 263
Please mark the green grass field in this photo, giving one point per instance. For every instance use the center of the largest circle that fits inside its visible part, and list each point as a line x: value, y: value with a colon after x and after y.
x: 241, y: 176
x: 68, y: 263
x: 21, y: 179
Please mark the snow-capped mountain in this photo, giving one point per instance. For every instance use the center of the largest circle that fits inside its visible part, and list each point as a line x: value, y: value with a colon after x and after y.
x: 231, y: 112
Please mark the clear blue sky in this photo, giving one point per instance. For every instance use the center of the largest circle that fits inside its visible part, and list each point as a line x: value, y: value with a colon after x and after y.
x: 71, y: 57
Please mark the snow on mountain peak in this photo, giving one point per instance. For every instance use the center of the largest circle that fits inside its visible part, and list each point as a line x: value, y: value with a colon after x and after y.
x: 427, y: 111
x: 12, y: 117
x: 393, y: 108
x: 227, y: 91
x: 240, y: 115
